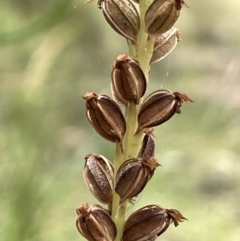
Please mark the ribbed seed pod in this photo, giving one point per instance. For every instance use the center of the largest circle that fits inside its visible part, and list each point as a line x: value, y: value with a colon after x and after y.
x: 128, y: 80
x: 162, y: 15
x: 149, y: 222
x: 105, y: 116
x: 159, y: 107
x: 148, y: 145
x: 95, y: 223
x: 122, y: 16
x: 98, y: 175
x: 164, y: 44
x: 133, y: 175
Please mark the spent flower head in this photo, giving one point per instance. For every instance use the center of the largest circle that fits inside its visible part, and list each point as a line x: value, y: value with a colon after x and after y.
x: 148, y: 29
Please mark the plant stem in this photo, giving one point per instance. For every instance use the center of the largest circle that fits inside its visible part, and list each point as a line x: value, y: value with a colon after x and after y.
x: 120, y: 221
x: 131, y: 142
x: 116, y: 163
x: 118, y: 211
x: 145, y: 45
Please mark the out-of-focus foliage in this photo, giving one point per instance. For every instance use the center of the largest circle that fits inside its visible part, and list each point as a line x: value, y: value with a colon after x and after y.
x: 52, y: 52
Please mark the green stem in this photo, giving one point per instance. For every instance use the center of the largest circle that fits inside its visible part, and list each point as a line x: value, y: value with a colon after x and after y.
x: 116, y: 163
x: 120, y: 221
x: 118, y: 211
x: 131, y: 142
x: 145, y: 44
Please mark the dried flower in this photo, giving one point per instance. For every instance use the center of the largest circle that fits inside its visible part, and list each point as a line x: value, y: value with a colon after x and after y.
x: 133, y: 175
x: 159, y: 107
x: 128, y: 80
x: 95, y: 223
x: 162, y: 15
x: 105, y: 116
x: 122, y: 16
x: 98, y: 175
x: 164, y: 44
x: 149, y: 222
x: 148, y: 145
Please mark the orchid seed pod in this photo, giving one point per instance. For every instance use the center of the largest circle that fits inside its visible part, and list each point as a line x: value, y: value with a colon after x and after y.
x: 159, y: 107
x: 150, y: 222
x: 95, y: 223
x: 133, y: 175
x: 162, y: 15
x: 122, y: 16
x: 148, y: 145
x: 164, y: 44
x: 98, y: 175
x: 105, y: 116
x: 128, y: 80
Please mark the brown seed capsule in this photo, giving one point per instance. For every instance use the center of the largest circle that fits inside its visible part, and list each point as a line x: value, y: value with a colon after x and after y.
x: 149, y: 222
x: 164, y: 44
x: 128, y: 80
x: 159, y: 107
x: 98, y: 175
x: 122, y: 16
x: 95, y: 223
x: 105, y: 116
x: 162, y: 15
x: 148, y: 145
x: 133, y: 175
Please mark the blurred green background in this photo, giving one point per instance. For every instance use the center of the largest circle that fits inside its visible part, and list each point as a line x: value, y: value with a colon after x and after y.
x: 51, y: 53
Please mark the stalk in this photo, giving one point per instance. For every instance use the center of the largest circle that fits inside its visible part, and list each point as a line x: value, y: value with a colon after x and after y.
x: 132, y: 142
x: 134, y: 162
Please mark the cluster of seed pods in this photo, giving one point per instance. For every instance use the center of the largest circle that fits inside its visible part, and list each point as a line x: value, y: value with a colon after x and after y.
x: 128, y: 85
